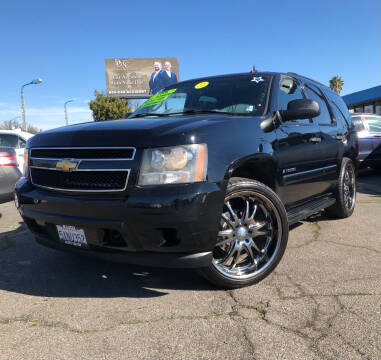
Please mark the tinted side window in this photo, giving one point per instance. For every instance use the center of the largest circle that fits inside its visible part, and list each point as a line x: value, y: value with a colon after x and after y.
x: 339, y: 102
x: 325, y: 117
x: 8, y: 140
x: 339, y: 117
x: 289, y: 90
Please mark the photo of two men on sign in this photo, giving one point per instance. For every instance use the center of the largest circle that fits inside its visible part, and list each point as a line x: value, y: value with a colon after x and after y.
x: 161, y: 77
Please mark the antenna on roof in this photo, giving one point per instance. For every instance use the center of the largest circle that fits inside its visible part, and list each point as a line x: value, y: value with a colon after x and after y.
x: 253, y: 70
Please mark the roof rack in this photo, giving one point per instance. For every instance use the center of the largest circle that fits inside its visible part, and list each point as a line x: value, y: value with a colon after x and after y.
x: 307, y: 78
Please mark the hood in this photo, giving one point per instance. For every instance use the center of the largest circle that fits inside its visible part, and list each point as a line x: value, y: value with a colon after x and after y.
x: 141, y: 132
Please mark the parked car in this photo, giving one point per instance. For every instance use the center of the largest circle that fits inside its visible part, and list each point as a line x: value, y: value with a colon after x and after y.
x: 9, y: 173
x: 208, y: 174
x: 368, y: 127
x: 17, y: 140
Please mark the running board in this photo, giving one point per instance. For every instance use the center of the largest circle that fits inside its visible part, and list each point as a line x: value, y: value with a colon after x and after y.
x: 306, y: 210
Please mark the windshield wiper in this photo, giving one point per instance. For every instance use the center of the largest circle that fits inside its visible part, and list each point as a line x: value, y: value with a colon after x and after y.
x: 189, y: 112
x: 145, y: 114
x: 200, y: 111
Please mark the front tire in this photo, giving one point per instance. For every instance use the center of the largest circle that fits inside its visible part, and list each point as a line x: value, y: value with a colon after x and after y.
x: 345, y: 191
x: 252, y: 237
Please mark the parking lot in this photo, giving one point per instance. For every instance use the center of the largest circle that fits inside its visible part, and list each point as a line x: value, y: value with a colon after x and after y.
x: 322, y: 302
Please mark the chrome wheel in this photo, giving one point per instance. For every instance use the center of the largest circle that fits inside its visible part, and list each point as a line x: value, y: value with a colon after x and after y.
x: 249, y: 236
x: 349, y: 187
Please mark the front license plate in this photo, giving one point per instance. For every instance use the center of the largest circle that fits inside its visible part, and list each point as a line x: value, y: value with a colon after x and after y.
x: 71, y: 235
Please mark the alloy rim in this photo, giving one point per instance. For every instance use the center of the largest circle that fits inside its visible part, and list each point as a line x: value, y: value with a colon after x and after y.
x: 349, y: 187
x: 249, y: 236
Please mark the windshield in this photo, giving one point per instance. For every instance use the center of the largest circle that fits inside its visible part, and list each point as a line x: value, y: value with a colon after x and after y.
x: 358, y: 124
x: 234, y: 95
x: 374, y: 123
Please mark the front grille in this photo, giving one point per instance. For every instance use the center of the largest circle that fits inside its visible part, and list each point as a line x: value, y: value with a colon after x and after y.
x: 95, y: 169
x: 80, y: 180
x: 84, y: 153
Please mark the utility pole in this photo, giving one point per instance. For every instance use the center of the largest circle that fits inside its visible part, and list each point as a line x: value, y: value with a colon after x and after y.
x: 33, y: 82
x: 65, y: 110
x: 23, y: 109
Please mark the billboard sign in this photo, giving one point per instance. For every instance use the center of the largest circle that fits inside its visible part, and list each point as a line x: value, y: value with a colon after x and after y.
x: 140, y: 77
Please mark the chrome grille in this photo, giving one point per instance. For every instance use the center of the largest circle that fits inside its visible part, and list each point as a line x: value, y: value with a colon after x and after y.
x: 90, y: 169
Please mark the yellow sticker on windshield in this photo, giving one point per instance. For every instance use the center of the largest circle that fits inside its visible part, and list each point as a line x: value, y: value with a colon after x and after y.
x: 201, y: 85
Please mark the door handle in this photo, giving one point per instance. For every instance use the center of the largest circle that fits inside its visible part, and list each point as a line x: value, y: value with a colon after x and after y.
x: 315, y: 140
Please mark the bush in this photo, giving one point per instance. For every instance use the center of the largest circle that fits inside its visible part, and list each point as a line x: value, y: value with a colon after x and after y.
x: 108, y: 108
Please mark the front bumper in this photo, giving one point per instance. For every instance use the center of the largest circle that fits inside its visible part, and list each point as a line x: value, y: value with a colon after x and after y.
x: 169, y: 226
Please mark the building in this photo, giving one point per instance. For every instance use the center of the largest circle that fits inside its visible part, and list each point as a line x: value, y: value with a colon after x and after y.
x: 368, y: 101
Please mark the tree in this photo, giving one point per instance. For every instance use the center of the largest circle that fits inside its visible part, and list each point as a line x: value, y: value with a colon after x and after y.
x: 32, y: 129
x: 336, y: 83
x: 13, y: 124
x: 108, y: 108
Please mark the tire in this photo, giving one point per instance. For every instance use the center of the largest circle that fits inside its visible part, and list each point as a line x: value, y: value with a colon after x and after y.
x: 252, y: 237
x: 345, y: 191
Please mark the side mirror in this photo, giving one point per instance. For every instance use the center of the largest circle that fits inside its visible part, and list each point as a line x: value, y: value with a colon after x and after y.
x: 296, y: 109
x: 300, y: 109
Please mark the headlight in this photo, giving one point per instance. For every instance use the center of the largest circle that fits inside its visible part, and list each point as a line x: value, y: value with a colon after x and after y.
x: 178, y: 164
x: 26, y: 163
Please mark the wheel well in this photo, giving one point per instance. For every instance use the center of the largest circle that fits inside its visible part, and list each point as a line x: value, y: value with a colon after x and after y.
x: 263, y: 171
x: 351, y: 155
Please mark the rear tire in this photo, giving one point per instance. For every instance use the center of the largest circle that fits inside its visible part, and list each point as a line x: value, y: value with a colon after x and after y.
x: 345, y: 191
x: 252, y: 237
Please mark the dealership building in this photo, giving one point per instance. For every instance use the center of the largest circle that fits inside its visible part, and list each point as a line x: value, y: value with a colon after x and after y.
x: 368, y: 101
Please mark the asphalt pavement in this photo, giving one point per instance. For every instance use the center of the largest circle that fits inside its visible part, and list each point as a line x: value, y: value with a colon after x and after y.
x: 321, y: 302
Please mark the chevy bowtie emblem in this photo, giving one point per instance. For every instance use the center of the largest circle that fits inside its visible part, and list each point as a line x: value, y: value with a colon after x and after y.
x: 67, y: 165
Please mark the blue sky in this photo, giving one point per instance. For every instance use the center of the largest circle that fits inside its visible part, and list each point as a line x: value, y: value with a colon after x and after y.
x: 66, y: 42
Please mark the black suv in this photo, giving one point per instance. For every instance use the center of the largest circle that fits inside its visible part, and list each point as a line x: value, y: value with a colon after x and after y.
x: 206, y: 174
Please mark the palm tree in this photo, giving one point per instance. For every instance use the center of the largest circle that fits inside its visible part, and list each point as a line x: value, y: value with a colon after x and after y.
x: 336, y: 83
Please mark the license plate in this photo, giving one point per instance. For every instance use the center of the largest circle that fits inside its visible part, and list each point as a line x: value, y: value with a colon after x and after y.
x: 71, y: 235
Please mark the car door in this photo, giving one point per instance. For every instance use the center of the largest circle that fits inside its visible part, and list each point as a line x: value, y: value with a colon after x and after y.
x: 333, y: 135
x: 297, y: 149
x: 374, y: 126
x: 364, y: 139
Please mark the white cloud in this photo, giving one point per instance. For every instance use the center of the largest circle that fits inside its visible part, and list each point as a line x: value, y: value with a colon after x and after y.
x: 47, y: 117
